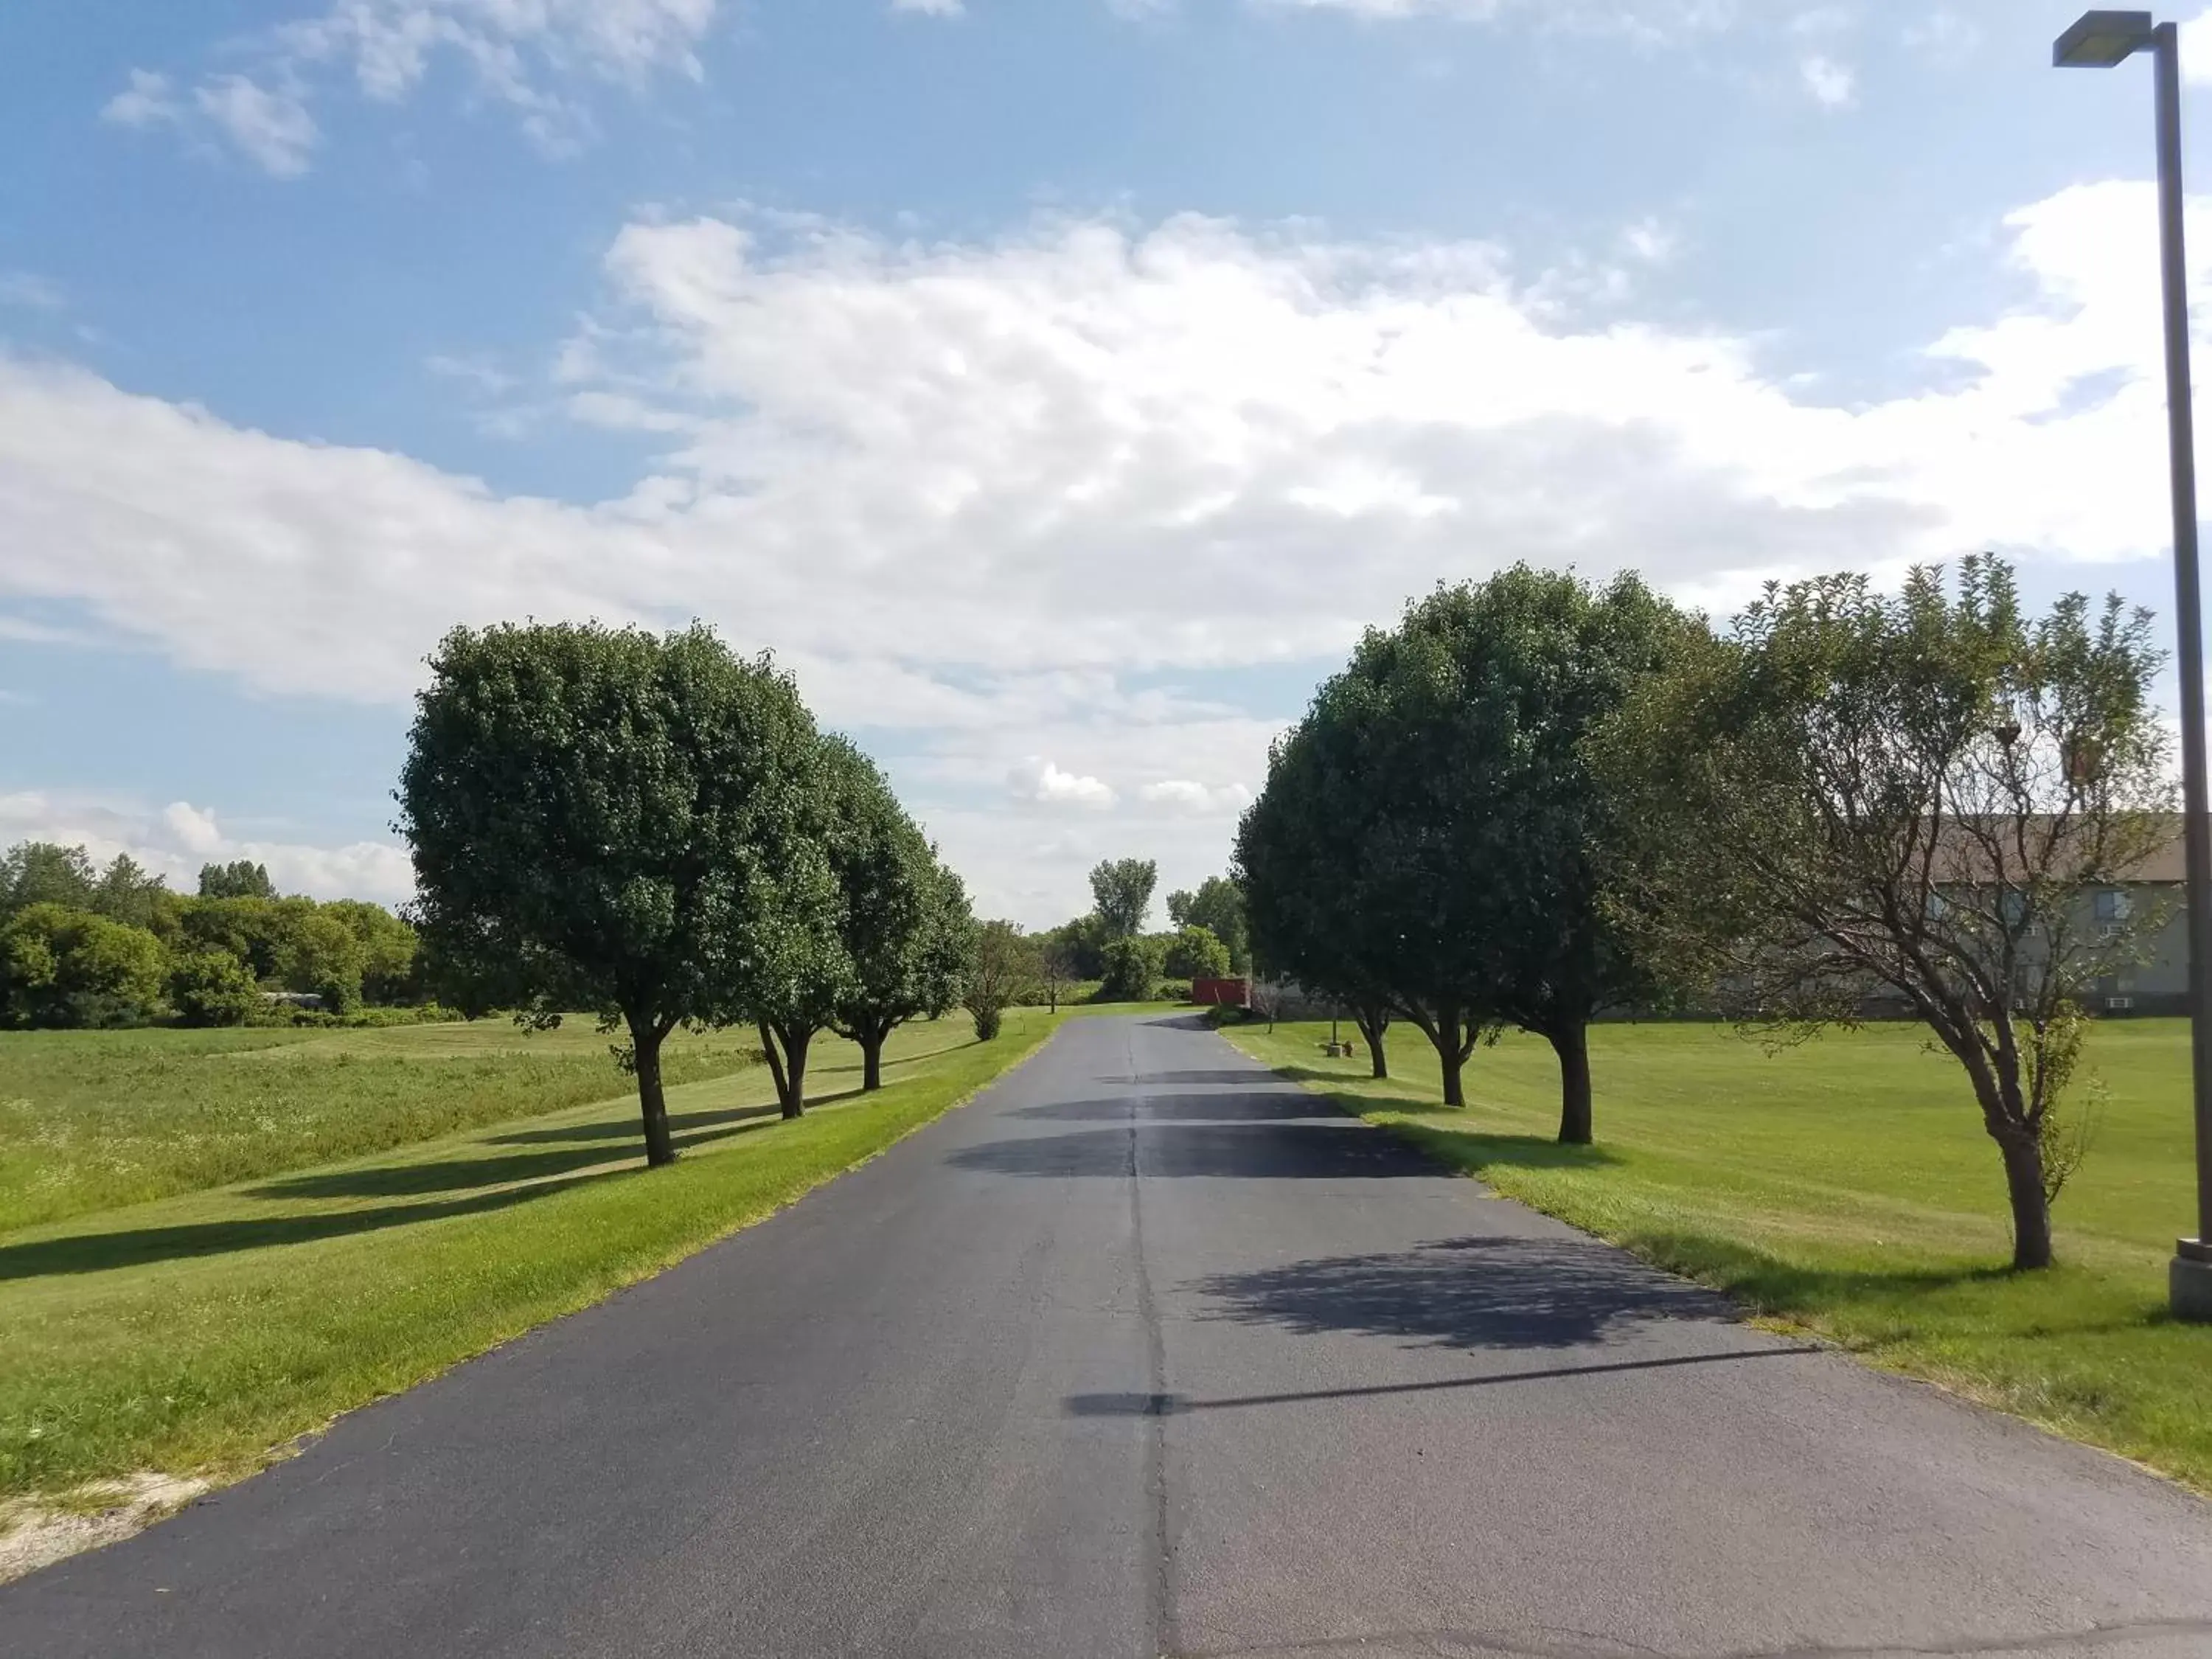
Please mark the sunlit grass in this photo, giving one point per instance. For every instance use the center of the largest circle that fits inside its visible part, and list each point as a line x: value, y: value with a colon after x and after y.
x: 192, y: 1334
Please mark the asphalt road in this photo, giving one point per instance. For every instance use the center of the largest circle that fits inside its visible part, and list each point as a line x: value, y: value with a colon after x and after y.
x: 1145, y: 1353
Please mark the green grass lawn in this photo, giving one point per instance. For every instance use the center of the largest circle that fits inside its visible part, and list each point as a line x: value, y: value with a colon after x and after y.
x: 193, y: 1333
x: 1846, y: 1188
x: 89, y: 1120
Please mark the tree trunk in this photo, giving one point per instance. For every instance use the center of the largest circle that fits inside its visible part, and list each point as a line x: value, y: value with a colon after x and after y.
x: 871, y: 1059
x: 2031, y: 1211
x: 795, y: 1044
x: 1451, y: 1057
x: 645, y: 1046
x: 1372, y: 1024
x: 774, y: 1050
x: 1572, y: 1043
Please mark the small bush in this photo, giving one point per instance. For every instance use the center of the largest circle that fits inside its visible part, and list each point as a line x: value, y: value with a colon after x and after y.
x: 987, y: 1020
x: 212, y: 987
x: 1133, y: 969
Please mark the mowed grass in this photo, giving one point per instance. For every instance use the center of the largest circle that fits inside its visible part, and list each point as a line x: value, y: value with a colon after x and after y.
x: 1846, y: 1187
x: 192, y: 1334
x: 90, y: 1119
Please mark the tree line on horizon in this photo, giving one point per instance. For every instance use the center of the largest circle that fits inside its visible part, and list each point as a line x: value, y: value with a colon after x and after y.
x: 83, y: 945
x: 1537, y: 801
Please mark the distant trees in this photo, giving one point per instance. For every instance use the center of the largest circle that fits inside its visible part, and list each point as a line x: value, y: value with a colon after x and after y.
x: 1196, y: 953
x: 1218, y: 905
x: 1122, y: 891
x: 212, y: 956
x: 71, y: 968
x: 1002, y: 969
x: 241, y: 879
x: 610, y: 820
x: 1854, y: 795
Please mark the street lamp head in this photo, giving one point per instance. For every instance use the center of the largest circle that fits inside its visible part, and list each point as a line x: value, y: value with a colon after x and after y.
x: 2100, y: 40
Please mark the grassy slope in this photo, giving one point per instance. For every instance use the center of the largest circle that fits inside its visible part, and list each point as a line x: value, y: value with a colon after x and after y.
x: 1846, y: 1188
x: 194, y: 1333
x: 90, y: 1119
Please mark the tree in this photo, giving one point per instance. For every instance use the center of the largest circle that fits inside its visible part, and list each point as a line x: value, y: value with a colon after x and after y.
x: 1056, y: 965
x: 210, y: 987
x: 906, y: 928
x: 1123, y: 891
x: 242, y: 879
x: 388, y: 950
x: 129, y: 893
x: 1298, y: 870
x: 67, y: 967
x: 611, y: 820
x: 1218, y: 905
x: 1496, y: 686
x: 1133, y: 970
x: 1916, y: 795
x: 322, y: 958
x: 45, y: 872
x: 1004, y: 967
x: 1196, y: 953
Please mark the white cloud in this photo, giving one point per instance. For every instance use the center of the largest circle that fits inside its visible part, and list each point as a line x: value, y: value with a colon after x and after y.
x: 148, y: 100
x: 1832, y: 84
x: 1036, y: 779
x: 2197, y: 49
x: 1942, y: 37
x: 931, y: 8
x: 968, y: 489
x: 1184, y: 795
x: 175, y: 840
x: 522, y: 53
x: 1648, y: 20
x: 273, y: 129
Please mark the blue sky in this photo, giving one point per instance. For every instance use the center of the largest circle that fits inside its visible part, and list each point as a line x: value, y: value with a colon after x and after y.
x: 1057, y: 386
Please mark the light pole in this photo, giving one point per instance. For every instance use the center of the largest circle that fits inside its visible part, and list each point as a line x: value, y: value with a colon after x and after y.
x: 2099, y: 40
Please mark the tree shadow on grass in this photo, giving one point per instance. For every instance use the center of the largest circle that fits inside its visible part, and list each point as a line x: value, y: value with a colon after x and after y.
x: 92, y: 1253
x: 623, y: 1129
x: 1475, y: 1151
x: 463, y: 1173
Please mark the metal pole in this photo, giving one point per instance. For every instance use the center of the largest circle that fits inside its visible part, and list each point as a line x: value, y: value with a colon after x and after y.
x: 2189, y: 621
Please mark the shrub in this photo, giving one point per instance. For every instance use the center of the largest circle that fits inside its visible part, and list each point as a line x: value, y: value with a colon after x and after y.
x: 987, y: 1020
x: 1196, y: 952
x: 212, y: 987
x: 1133, y: 969
x: 60, y: 967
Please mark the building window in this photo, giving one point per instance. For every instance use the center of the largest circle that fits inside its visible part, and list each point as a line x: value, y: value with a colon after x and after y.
x: 2113, y: 904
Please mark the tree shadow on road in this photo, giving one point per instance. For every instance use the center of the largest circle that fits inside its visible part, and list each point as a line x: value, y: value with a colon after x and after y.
x: 1279, y: 1107
x: 1468, y: 1294
x: 1297, y: 1149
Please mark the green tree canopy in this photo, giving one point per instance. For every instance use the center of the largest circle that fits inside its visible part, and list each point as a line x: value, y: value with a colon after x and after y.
x: 1218, y: 905
x: 613, y: 820
x: 60, y: 967
x: 1003, y: 967
x: 1196, y: 953
x: 1857, y: 793
x: 242, y: 879
x: 906, y: 926
x: 1122, y: 888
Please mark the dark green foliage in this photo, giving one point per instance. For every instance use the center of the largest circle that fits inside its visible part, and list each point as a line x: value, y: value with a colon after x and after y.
x: 1218, y: 905
x: 610, y: 820
x: 1133, y: 970
x: 1122, y: 888
x: 210, y: 987
x: 1431, y: 839
x: 1082, y: 943
x: 1857, y: 793
x: 60, y: 967
x: 45, y: 872
x: 243, y: 879
x: 1196, y: 953
x: 906, y: 927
